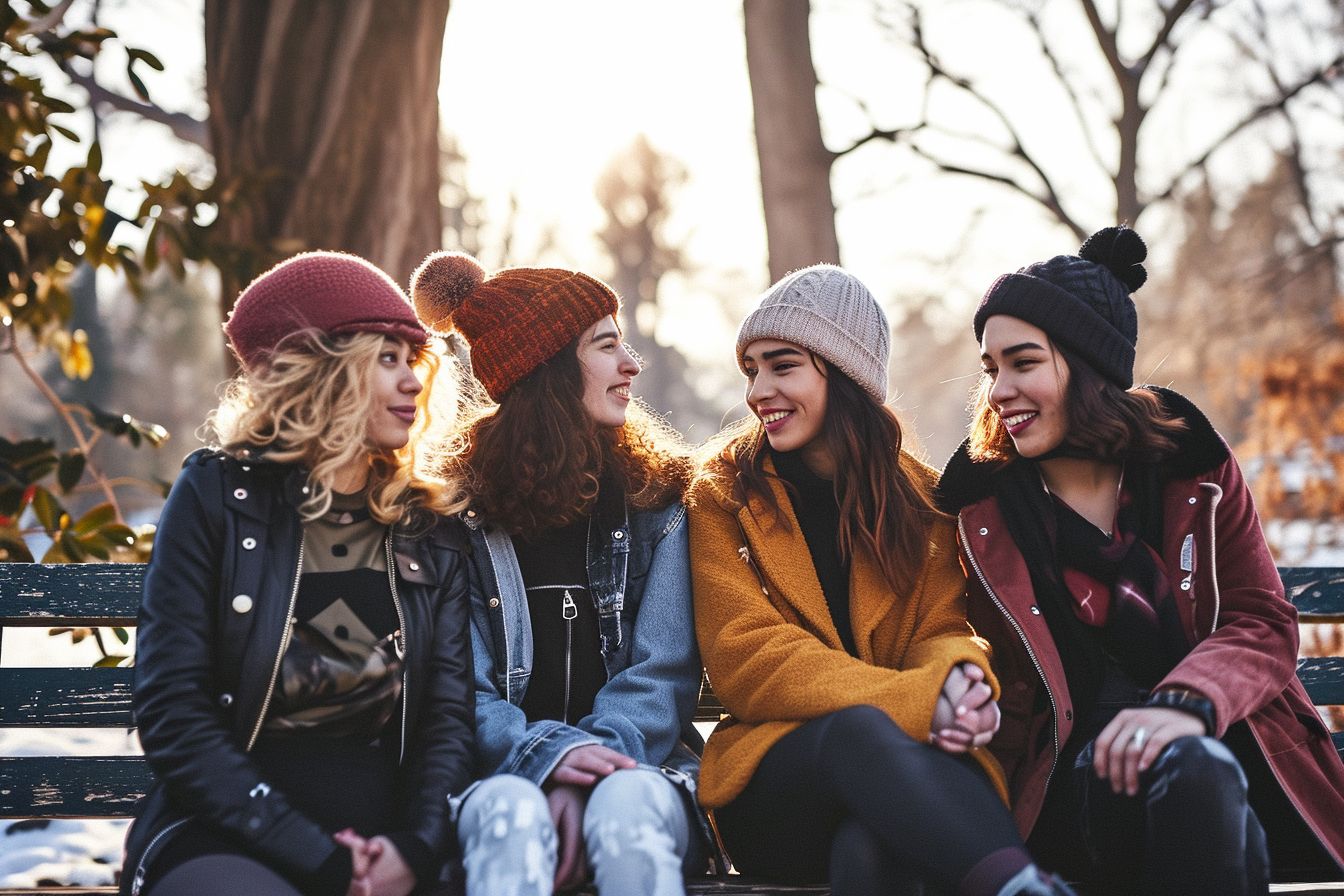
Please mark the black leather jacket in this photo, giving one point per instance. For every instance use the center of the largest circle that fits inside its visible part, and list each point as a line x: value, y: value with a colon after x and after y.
x: 213, y: 622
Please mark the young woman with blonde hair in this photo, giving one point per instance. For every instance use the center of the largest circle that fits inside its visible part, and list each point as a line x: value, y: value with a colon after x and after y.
x: 587, y: 674
x: 303, y: 660
x: 831, y: 617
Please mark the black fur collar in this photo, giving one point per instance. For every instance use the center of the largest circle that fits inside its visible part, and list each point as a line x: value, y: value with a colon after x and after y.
x: 1199, y: 449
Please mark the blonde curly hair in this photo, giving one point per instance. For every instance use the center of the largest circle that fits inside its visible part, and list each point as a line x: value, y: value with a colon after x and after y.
x: 311, y: 405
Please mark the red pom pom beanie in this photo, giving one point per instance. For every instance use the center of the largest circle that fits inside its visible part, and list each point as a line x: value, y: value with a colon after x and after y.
x: 513, y: 319
x: 331, y: 292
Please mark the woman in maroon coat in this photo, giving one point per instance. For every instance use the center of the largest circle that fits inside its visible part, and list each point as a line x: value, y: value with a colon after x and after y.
x: 1155, y: 736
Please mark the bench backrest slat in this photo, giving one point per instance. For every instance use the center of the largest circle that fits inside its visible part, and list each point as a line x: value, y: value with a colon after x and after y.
x: 66, y: 698
x: 109, y: 594
x: 39, y: 594
x: 72, y: 786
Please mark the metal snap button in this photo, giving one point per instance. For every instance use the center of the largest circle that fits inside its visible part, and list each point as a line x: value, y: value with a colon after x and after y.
x: 305, y: 489
x: 984, y: 531
x: 618, y: 535
x: 240, y: 493
x: 226, y: 700
x: 413, y: 566
x: 1185, y: 586
x: 249, y: 543
x: 1035, y: 611
x: 1192, y: 500
x: 246, y: 468
x: 242, y: 603
x: 494, y: 601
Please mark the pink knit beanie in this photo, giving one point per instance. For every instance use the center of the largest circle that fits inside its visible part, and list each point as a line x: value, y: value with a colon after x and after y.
x: 331, y: 292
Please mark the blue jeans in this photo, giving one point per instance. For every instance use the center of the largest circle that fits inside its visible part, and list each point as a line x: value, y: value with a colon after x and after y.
x: 634, y: 827
x: 1188, y: 831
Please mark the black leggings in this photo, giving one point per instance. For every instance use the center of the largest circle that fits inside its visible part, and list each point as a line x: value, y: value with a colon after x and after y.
x: 852, y: 799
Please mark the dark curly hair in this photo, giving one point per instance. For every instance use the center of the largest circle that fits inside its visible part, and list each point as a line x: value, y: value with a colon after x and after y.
x: 536, y: 460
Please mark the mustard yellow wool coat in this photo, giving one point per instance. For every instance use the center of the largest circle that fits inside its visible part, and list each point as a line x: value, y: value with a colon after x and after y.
x: 776, y: 661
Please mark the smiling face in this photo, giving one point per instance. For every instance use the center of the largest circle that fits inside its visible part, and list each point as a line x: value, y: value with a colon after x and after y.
x: 395, y: 386
x: 786, y: 390
x: 608, y: 368
x: 1029, y: 383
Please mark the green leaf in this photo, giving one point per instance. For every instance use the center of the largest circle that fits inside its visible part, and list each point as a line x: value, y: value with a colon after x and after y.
x: 122, y: 635
x: 102, y: 515
x: 95, y: 162
x: 71, y: 547
x: 70, y: 470
x: 118, y: 535
x: 55, y: 554
x: 14, y: 550
x: 146, y: 57
x: 96, y: 546
x: 140, y: 89
x: 110, y: 660
x: 116, y: 424
x: 11, y: 501
x: 48, y: 510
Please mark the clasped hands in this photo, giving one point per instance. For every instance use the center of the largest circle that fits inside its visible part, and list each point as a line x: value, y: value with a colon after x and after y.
x: 966, y: 715
x: 378, y: 868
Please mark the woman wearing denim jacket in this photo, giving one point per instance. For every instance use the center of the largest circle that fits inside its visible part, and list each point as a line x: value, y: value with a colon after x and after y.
x: 587, y: 673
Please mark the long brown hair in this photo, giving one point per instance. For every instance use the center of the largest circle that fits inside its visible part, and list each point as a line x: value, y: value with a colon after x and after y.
x: 882, y: 507
x: 1106, y: 422
x: 536, y: 460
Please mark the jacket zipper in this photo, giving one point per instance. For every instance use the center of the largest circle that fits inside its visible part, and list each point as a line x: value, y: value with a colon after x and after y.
x: 569, y: 610
x: 401, y: 646
x: 142, y: 866
x: 1054, y: 707
x: 284, y: 645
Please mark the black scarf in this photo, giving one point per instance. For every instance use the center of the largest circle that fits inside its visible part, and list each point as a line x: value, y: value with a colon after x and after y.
x: 1119, y: 608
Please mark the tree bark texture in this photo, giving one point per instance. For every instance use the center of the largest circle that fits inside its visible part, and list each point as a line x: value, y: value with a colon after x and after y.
x: 330, y: 110
x: 795, y: 164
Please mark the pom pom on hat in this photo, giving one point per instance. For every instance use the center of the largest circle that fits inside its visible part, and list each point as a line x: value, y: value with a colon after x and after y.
x: 514, y: 319
x: 1121, y: 251
x: 441, y: 284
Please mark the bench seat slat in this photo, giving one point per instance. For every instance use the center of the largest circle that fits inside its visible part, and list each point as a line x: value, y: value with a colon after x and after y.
x: 72, y: 786
x: 66, y: 698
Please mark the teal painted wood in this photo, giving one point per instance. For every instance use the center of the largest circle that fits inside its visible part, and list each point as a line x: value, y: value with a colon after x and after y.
x: 72, y: 786
x: 39, y: 594
x: 66, y: 698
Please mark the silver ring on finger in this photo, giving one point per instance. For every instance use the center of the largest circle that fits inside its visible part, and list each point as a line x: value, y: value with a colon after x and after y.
x: 1140, y: 735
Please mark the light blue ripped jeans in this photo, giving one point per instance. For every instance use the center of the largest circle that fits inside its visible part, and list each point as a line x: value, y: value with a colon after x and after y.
x: 634, y: 826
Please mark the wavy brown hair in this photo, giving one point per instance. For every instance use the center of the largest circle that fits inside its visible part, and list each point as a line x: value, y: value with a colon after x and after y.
x: 882, y: 507
x: 311, y: 403
x: 536, y: 460
x: 1106, y: 422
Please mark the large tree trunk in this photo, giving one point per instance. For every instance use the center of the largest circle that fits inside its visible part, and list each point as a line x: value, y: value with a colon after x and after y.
x: 795, y: 164
x: 335, y: 105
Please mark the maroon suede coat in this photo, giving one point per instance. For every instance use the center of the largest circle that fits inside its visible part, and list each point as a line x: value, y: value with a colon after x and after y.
x: 1231, y: 602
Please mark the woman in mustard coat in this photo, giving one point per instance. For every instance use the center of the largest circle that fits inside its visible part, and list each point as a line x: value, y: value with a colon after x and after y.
x: 831, y: 618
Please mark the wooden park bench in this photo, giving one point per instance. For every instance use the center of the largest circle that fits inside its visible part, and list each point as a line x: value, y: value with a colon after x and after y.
x: 48, y: 787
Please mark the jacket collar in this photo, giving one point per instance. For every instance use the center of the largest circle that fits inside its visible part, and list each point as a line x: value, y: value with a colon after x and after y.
x: 778, y: 548
x: 1199, y: 449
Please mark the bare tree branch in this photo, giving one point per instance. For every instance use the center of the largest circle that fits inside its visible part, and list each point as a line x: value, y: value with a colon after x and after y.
x: 1067, y: 83
x: 1322, y: 75
x: 183, y: 126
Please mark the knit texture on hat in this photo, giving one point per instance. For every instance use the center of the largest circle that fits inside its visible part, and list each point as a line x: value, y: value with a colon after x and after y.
x: 331, y: 292
x: 1081, y: 301
x: 829, y: 311
x: 514, y: 319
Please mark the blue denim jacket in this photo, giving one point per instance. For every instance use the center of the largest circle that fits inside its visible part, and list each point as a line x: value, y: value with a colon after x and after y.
x: 639, y: 576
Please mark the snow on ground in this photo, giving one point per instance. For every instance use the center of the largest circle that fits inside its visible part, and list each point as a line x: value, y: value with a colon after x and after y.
x: 83, y: 852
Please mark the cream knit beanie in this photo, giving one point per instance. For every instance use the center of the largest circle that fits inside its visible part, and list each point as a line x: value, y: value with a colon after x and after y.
x: 827, y: 310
